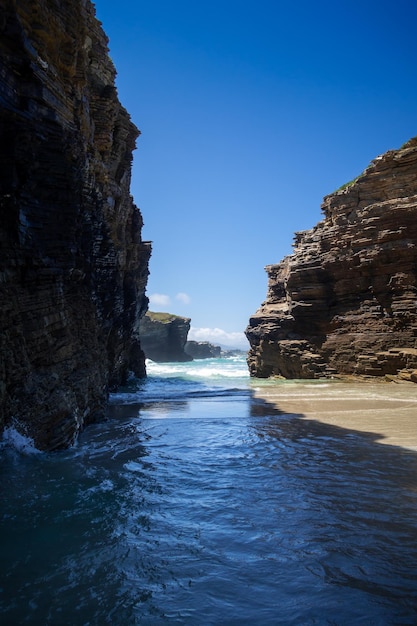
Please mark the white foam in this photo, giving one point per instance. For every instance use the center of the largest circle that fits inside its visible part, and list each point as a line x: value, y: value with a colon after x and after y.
x: 219, y: 372
x: 14, y: 439
x: 229, y: 367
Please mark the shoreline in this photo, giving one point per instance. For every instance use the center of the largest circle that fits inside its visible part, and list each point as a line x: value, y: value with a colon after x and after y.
x: 386, y: 411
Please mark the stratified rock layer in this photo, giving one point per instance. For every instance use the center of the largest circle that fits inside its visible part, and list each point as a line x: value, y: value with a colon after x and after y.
x: 73, y: 267
x: 163, y: 337
x: 345, y: 302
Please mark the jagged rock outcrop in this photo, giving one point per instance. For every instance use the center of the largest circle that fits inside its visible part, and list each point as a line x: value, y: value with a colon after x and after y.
x: 202, y: 350
x: 73, y: 266
x: 345, y: 302
x: 163, y: 337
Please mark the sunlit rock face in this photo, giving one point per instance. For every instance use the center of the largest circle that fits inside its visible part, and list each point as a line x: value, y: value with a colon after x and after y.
x: 345, y: 302
x: 163, y: 337
x: 73, y: 266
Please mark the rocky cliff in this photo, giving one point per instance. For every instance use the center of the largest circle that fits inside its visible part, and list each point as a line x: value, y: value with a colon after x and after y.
x: 163, y: 337
x: 73, y: 266
x: 202, y: 350
x: 345, y: 302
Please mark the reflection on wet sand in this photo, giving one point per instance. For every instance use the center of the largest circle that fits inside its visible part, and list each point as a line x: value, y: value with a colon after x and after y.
x: 388, y: 409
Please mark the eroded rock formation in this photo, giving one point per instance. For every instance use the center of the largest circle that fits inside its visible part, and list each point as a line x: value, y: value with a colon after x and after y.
x: 202, y: 350
x: 345, y: 302
x: 163, y: 337
x: 73, y: 266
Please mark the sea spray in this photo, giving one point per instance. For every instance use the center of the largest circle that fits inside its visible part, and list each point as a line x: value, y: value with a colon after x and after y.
x: 15, y: 440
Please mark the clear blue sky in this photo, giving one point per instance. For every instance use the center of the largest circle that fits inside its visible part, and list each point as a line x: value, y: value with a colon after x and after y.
x: 250, y: 113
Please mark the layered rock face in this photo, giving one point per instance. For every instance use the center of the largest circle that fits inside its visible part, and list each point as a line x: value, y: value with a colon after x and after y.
x: 345, y: 302
x: 73, y: 266
x: 163, y: 337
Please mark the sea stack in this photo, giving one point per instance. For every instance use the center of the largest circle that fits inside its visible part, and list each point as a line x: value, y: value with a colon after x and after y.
x: 345, y: 301
x: 73, y: 267
x: 163, y: 337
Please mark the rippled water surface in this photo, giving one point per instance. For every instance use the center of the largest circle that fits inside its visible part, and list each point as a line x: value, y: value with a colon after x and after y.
x: 198, y: 503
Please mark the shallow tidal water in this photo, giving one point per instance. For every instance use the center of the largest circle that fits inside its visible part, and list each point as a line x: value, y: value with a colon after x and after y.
x: 199, y: 502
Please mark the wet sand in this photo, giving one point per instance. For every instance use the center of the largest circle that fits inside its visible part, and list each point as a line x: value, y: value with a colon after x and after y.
x: 388, y: 410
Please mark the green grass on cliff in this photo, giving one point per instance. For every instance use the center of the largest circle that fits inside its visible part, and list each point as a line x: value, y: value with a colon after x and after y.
x: 351, y: 182
x: 164, y: 318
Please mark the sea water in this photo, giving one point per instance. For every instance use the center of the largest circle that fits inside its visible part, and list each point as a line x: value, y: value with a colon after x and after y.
x: 197, y: 502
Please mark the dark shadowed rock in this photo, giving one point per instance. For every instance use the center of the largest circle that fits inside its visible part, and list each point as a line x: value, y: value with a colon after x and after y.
x: 202, y: 350
x: 163, y: 337
x: 345, y: 302
x: 73, y: 266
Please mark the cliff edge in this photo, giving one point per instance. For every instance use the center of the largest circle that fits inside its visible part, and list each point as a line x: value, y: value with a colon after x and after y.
x: 73, y: 266
x: 345, y: 301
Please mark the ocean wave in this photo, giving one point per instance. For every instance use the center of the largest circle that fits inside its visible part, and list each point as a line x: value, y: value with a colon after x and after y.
x: 220, y: 368
x: 208, y: 378
x: 159, y: 389
x: 12, y: 438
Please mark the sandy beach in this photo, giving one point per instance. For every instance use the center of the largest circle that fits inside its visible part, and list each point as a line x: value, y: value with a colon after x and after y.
x: 387, y: 410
